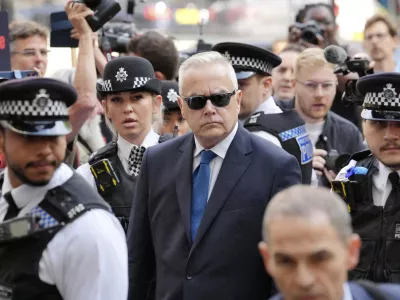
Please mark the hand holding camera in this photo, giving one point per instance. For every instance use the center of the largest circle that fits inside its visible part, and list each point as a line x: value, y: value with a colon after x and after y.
x: 309, y: 34
x: 77, y: 14
x: 322, y: 164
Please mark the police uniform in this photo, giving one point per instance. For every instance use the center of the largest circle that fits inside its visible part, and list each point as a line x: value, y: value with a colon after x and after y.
x: 60, y: 240
x: 283, y: 128
x: 371, y: 189
x: 122, y: 74
x: 170, y: 94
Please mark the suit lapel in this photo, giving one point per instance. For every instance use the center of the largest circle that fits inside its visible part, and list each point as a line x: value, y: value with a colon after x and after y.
x: 234, y: 165
x: 183, y: 181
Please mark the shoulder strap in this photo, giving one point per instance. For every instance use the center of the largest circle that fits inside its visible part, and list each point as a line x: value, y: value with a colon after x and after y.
x: 374, y: 291
x: 103, y: 152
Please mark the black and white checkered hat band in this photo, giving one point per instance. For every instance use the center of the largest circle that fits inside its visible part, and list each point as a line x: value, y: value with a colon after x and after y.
x: 138, y: 82
x: 379, y: 101
x: 252, y: 63
x: 27, y: 108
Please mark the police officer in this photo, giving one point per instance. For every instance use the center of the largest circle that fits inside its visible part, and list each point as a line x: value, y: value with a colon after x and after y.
x: 370, y: 182
x: 131, y: 102
x: 58, y: 238
x: 258, y: 110
x: 173, y: 121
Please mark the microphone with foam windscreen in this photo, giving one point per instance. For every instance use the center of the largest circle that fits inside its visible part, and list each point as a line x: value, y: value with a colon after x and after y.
x: 337, y: 56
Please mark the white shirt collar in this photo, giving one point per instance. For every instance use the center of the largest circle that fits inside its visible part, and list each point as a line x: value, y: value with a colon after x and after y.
x: 23, y: 194
x: 347, y: 292
x: 125, y: 147
x: 221, y: 148
x: 382, y: 177
x: 269, y: 106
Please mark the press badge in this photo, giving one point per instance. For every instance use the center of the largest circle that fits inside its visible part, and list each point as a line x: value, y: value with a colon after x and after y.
x: 397, y: 231
x: 306, y: 148
x: 5, y: 292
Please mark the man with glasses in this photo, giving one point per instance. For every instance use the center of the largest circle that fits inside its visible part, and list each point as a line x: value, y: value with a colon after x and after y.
x: 380, y: 43
x: 28, y: 46
x: 195, y: 218
x: 333, y: 137
x: 258, y: 110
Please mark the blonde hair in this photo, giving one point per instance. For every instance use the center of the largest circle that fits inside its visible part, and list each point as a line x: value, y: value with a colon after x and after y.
x: 311, y: 58
x: 206, y: 58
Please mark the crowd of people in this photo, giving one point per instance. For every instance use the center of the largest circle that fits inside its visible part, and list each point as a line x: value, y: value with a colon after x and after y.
x: 238, y: 173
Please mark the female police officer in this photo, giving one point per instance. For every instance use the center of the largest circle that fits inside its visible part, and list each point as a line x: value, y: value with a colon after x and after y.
x: 131, y: 101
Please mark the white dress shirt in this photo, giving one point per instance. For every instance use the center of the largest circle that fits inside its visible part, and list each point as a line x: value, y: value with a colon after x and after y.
x: 347, y: 292
x: 87, y: 259
x: 268, y: 107
x: 382, y: 186
x: 216, y: 164
x: 124, y: 150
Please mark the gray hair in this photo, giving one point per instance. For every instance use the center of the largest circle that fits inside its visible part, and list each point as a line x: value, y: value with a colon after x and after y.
x: 305, y: 202
x: 206, y: 58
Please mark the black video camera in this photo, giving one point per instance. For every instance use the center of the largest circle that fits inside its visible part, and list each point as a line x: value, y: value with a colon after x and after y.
x: 357, y: 65
x: 311, y: 32
x: 104, y: 11
x: 118, y: 35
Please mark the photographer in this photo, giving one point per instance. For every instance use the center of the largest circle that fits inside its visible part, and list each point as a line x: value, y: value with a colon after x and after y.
x: 315, y: 26
x: 333, y: 137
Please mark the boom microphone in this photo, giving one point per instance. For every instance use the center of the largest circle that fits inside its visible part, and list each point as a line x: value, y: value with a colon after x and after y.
x: 336, y: 55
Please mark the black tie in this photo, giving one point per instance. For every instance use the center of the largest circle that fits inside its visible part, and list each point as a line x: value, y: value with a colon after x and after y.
x: 13, y: 210
x: 392, y: 200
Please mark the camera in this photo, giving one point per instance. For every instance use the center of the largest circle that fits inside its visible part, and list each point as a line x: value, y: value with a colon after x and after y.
x: 104, y: 10
x: 311, y: 32
x: 357, y: 65
x: 118, y: 36
x: 336, y: 162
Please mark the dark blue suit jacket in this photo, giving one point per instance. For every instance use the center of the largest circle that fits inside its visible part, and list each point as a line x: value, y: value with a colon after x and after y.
x: 223, y: 261
x: 392, y: 292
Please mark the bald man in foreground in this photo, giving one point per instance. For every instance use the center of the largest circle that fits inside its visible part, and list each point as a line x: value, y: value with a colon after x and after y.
x: 309, y: 246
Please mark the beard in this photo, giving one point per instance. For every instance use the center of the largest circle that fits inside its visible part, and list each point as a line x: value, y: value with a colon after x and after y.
x: 20, y: 174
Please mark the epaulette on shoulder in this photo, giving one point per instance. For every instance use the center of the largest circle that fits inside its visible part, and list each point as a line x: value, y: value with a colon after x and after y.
x: 103, y: 152
x: 361, y: 155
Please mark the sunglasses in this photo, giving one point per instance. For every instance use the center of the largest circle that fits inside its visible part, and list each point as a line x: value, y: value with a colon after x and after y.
x: 219, y: 100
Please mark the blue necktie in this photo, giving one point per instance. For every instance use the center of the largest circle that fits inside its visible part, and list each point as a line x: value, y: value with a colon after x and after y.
x: 201, y: 182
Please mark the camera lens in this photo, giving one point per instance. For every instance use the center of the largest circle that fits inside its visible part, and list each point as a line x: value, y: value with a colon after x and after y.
x: 310, y: 37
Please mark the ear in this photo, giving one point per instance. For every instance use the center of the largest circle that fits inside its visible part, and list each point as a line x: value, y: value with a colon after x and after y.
x: 157, y: 104
x: 263, y: 248
x: 239, y: 95
x: 267, y: 82
x: 181, y: 106
x: 353, y: 248
x: 160, y: 76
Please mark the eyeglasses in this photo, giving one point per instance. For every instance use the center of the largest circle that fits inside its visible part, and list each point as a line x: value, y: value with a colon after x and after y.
x: 327, y: 87
x: 379, y: 36
x: 32, y: 52
x: 219, y: 100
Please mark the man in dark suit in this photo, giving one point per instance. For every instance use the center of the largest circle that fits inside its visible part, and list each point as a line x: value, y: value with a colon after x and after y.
x: 309, y: 246
x: 200, y: 197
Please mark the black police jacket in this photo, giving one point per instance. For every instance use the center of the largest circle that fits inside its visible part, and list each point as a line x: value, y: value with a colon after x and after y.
x: 378, y: 227
x: 20, y: 257
x: 290, y: 130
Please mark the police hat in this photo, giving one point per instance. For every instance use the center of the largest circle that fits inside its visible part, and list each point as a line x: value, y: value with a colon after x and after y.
x: 381, y: 96
x: 36, y: 106
x: 170, y: 94
x: 248, y: 60
x: 129, y: 73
